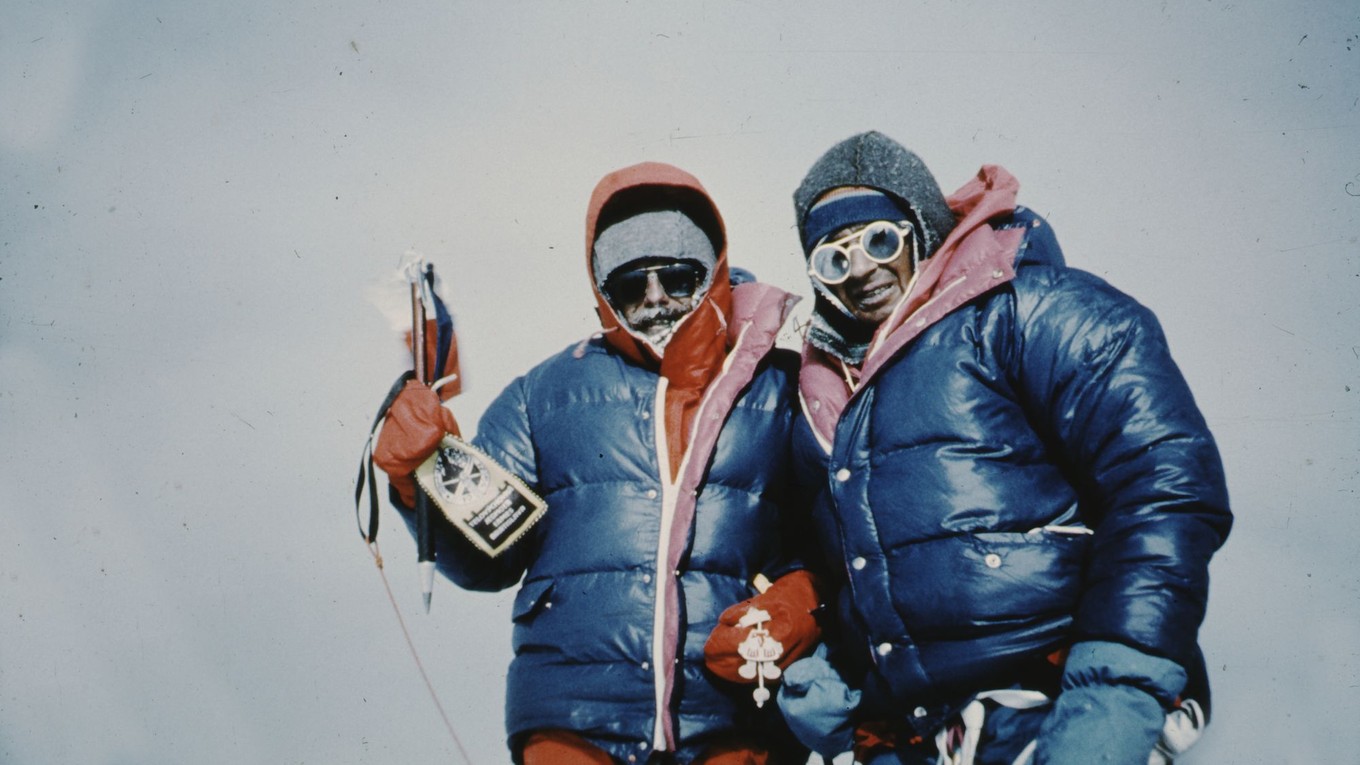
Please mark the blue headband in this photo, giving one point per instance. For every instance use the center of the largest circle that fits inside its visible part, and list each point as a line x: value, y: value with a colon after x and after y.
x: 849, y: 209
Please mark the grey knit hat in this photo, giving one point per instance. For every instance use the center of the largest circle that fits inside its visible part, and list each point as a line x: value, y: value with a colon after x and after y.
x: 653, y: 234
x: 874, y: 160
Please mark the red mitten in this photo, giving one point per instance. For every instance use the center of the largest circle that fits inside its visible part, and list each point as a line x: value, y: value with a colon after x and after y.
x: 790, y: 602
x: 415, y: 424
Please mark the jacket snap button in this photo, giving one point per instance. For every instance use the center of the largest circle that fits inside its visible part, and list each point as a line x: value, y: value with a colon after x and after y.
x: 651, y: 494
x: 843, y: 475
x: 646, y: 666
x: 920, y: 712
x: 858, y: 564
x: 884, y: 649
x: 646, y: 415
x: 998, y: 273
x: 992, y: 560
x: 646, y: 578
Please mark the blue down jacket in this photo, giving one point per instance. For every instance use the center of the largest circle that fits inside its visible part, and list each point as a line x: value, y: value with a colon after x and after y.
x: 1027, y: 471
x: 581, y: 429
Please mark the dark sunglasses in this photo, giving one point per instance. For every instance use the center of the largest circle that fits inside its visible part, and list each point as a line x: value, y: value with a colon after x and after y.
x: 679, y: 280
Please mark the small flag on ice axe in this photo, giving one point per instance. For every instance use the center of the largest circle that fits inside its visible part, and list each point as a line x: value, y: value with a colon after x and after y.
x: 441, y: 343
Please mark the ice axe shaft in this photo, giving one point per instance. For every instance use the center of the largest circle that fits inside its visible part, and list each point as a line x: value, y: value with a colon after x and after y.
x: 424, y: 539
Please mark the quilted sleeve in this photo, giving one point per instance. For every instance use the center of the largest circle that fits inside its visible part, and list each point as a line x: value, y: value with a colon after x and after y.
x: 1100, y: 385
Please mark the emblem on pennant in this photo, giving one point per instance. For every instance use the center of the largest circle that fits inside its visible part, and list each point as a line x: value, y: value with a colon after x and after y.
x: 491, y: 506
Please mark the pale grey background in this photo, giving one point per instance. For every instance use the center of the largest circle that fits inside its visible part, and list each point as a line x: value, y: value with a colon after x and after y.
x: 194, y: 198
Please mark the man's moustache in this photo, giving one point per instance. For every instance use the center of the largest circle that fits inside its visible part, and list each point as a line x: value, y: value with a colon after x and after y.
x: 658, y: 317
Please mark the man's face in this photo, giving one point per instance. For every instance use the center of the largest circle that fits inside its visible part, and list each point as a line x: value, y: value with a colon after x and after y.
x: 872, y: 289
x: 654, y: 294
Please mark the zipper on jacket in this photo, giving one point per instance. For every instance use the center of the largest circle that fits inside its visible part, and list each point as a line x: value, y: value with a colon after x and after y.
x: 670, y: 491
x: 663, y: 575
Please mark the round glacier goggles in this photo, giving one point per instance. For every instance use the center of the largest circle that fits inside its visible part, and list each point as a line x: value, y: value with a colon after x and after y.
x: 881, y: 241
x: 679, y: 278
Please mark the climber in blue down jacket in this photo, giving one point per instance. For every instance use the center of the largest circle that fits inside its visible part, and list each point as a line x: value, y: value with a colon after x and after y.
x: 662, y: 446
x: 1015, y: 485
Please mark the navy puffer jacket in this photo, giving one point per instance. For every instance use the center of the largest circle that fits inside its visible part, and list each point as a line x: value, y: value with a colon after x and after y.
x: 1024, y: 468
x: 648, y: 536
x: 578, y: 429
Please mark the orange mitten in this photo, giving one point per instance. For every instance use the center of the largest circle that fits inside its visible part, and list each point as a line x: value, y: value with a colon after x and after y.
x: 789, y: 602
x: 415, y: 424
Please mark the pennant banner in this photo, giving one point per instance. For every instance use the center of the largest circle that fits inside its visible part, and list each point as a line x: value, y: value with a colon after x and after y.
x: 491, y: 506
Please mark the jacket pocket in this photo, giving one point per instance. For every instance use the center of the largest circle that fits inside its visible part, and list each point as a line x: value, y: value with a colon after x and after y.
x: 962, y: 586
x: 1037, y: 575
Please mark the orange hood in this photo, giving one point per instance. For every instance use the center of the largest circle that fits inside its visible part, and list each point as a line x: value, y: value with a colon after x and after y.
x: 719, y: 298
x: 694, y: 355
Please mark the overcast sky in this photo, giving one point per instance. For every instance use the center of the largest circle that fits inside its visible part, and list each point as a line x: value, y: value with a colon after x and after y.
x: 195, y: 199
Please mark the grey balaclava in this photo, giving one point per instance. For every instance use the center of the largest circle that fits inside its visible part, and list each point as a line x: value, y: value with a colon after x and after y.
x: 875, y: 161
x: 653, y: 234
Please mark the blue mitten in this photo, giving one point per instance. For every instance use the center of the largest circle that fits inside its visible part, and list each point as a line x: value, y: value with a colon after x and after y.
x: 1112, y: 706
x: 818, y: 706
